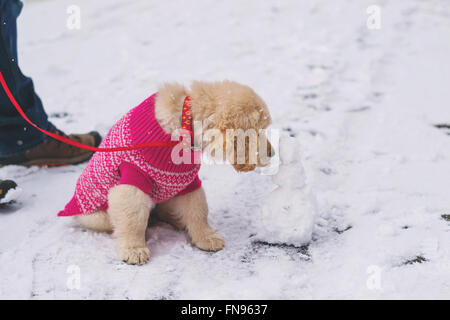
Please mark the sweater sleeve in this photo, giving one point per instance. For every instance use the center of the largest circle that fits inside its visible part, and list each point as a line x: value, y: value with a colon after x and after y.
x: 197, y: 183
x: 132, y: 175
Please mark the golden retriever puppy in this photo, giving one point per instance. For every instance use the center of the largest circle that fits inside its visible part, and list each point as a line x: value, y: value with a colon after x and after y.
x: 231, y: 120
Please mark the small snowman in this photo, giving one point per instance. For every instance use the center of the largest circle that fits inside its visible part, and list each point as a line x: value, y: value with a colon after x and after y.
x: 289, y: 212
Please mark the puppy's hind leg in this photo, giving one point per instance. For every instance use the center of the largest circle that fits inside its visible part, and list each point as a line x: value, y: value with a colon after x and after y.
x: 97, y: 221
x: 190, y: 212
x: 129, y: 209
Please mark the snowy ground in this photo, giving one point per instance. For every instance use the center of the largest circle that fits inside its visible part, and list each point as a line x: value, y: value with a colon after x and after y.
x: 363, y: 104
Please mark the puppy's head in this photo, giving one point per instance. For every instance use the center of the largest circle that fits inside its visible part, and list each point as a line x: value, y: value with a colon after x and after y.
x: 241, y: 116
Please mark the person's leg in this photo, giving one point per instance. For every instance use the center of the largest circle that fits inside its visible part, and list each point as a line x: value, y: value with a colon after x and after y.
x: 20, y: 143
x: 16, y: 136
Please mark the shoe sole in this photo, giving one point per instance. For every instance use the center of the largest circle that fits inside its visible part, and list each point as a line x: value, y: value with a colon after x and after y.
x: 51, y: 162
x: 10, y: 197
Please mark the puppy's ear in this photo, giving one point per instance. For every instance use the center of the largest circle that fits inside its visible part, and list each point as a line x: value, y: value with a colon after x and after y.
x: 238, y: 116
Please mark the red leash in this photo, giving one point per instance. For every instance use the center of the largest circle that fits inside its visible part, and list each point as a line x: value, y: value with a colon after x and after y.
x: 76, y: 143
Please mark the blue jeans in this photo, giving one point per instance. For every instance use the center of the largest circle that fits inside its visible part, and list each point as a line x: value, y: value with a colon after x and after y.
x: 17, y: 136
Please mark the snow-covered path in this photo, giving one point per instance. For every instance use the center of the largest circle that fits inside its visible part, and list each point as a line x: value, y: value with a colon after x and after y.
x: 363, y: 104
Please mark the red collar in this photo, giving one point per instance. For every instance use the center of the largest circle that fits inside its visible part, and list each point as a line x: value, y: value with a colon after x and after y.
x: 186, y: 118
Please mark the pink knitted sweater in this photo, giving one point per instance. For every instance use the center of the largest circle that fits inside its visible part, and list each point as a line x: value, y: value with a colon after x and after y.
x: 149, y: 169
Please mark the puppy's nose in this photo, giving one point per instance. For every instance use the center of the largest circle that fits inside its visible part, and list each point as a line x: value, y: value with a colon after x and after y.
x: 271, y: 153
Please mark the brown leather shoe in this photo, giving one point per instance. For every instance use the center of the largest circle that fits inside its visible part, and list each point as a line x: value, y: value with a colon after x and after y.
x: 54, y: 153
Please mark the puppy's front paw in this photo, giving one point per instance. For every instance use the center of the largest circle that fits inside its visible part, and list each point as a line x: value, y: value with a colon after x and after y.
x: 134, y: 255
x: 209, y: 242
